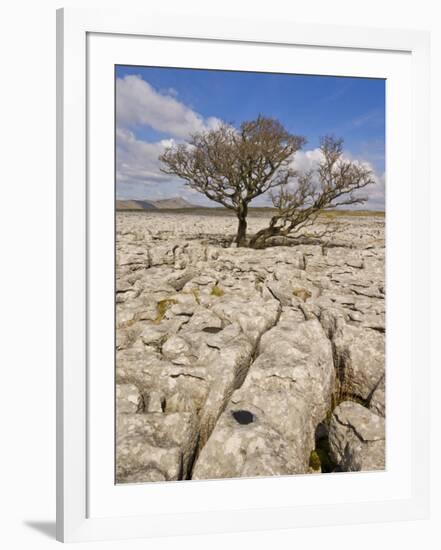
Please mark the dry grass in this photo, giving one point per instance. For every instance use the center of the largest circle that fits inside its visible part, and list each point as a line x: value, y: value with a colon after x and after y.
x: 302, y: 293
x: 332, y: 214
x: 162, y: 307
x: 217, y: 291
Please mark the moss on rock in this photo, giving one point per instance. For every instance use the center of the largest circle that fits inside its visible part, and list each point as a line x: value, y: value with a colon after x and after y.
x: 217, y: 291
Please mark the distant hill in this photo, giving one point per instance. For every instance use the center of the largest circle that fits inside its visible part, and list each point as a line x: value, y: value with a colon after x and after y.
x: 134, y: 205
x: 172, y: 203
x: 175, y: 202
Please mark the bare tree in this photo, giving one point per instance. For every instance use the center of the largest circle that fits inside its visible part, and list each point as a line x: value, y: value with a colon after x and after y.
x: 233, y: 166
x: 334, y: 183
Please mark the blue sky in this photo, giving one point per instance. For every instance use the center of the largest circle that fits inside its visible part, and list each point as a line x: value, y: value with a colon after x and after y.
x: 156, y: 106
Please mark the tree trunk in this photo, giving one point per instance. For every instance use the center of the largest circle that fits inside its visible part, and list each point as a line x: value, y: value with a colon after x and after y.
x: 241, y: 236
x: 260, y: 238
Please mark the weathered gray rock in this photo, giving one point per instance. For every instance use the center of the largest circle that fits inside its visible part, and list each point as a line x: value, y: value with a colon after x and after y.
x: 227, y: 367
x: 205, y: 331
x: 331, y: 318
x: 268, y: 426
x: 180, y: 279
x: 162, y: 254
x: 176, y: 350
x: 360, y: 356
x: 203, y: 319
x: 283, y: 292
x: 134, y: 259
x: 254, y: 316
x: 155, y: 446
x: 238, y: 448
x: 377, y: 403
x: 127, y: 336
x: 128, y: 399
x: 357, y: 438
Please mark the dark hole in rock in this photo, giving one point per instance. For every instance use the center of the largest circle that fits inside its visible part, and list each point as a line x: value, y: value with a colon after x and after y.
x: 163, y: 404
x: 243, y: 417
x: 321, y: 432
x: 322, y: 449
x: 211, y: 330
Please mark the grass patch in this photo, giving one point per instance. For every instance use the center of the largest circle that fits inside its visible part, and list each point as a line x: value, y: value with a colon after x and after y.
x: 217, y: 291
x: 332, y: 214
x: 314, y: 461
x: 161, y: 309
x: 302, y: 293
x: 320, y: 459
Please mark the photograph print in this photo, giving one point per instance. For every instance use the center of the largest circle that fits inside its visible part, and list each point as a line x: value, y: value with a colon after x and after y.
x: 250, y: 274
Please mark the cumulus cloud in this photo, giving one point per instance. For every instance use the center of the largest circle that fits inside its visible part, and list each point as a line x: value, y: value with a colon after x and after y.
x: 137, y: 160
x: 307, y: 160
x: 139, y: 104
x: 377, y: 194
x: 138, y: 173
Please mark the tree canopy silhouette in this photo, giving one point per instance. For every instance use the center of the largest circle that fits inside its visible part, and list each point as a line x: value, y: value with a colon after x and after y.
x: 234, y: 166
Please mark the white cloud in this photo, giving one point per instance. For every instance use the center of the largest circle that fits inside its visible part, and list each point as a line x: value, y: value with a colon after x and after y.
x: 170, y: 91
x: 137, y: 160
x: 307, y: 160
x: 138, y: 173
x: 377, y: 194
x: 139, y: 104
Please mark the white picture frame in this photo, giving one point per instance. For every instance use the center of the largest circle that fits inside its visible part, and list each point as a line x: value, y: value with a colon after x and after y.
x: 78, y: 363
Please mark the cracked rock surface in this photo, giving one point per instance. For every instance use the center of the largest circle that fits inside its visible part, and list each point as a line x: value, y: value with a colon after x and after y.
x: 357, y: 438
x: 233, y: 362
